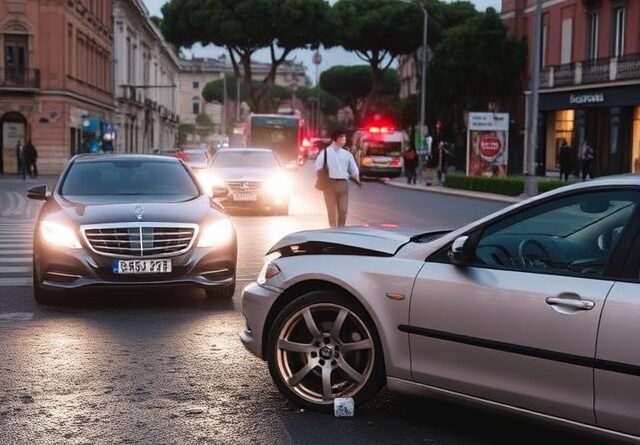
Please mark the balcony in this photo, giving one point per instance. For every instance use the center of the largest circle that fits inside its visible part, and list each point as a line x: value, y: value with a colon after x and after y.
x: 19, y: 78
x: 615, y: 69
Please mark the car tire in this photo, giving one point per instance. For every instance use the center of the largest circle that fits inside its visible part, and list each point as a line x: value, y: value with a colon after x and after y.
x: 358, y: 373
x: 221, y: 292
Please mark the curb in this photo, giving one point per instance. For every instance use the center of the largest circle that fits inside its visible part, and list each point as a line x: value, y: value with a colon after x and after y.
x: 455, y: 192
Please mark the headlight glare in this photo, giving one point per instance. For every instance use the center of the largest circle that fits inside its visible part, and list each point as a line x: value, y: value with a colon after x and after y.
x: 279, y: 185
x: 208, y: 180
x: 216, y: 234
x: 59, y: 235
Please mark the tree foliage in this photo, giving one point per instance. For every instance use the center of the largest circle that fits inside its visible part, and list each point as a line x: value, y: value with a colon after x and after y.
x: 353, y: 84
x: 329, y: 104
x: 475, y: 63
x: 244, y: 26
x: 377, y: 31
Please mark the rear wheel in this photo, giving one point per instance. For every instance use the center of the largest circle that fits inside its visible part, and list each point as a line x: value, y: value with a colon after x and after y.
x: 221, y: 292
x: 323, y: 346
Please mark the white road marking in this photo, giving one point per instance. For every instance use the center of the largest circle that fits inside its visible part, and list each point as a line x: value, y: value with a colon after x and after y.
x: 21, y: 281
x: 12, y: 202
x: 15, y: 269
x: 16, y: 252
x: 16, y: 316
x: 16, y: 246
x: 16, y: 259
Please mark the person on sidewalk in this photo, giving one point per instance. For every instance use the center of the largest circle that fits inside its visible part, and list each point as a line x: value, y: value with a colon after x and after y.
x: 410, y: 165
x: 443, y: 161
x: 341, y: 166
x: 588, y: 156
x: 565, y: 160
x: 20, y: 157
x: 31, y: 159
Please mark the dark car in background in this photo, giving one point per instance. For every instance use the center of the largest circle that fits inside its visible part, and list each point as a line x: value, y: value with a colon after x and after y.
x: 254, y: 177
x: 130, y: 221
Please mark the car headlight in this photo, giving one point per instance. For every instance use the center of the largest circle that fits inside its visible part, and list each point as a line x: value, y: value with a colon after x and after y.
x: 268, y: 271
x: 278, y: 185
x: 216, y: 234
x: 59, y: 235
x: 208, y: 180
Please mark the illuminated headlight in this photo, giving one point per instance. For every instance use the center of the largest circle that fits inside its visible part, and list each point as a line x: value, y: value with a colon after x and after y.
x: 208, y: 180
x: 59, y: 235
x: 216, y: 234
x: 278, y: 185
x: 367, y: 162
x: 268, y: 271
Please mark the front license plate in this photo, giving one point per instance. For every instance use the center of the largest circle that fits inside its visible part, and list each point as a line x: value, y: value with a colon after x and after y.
x: 141, y: 266
x: 245, y: 196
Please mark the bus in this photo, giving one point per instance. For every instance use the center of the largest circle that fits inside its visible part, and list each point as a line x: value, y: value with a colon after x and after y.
x: 378, y: 151
x: 282, y: 133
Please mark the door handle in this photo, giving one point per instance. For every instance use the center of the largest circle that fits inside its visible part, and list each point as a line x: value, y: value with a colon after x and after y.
x: 584, y: 305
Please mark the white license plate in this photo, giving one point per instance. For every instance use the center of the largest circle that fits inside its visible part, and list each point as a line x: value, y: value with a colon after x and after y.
x: 245, y: 196
x: 141, y: 266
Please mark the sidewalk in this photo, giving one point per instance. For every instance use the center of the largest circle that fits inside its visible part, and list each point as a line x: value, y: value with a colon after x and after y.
x: 401, y: 182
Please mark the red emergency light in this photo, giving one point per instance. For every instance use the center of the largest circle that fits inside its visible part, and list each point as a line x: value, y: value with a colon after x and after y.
x: 380, y: 130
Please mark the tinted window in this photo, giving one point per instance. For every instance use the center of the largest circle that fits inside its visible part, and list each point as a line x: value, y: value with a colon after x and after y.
x: 252, y: 159
x: 572, y: 235
x: 128, y: 177
x: 378, y: 148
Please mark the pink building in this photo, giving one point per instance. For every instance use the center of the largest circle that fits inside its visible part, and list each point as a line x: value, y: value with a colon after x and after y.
x: 590, y: 79
x: 55, y: 76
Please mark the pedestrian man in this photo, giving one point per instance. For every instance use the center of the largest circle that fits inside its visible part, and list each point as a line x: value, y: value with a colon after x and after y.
x: 588, y: 156
x: 22, y: 170
x: 340, y: 166
x: 443, y: 161
x: 410, y: 164
x: 31, y: 159
x: 565, y: 160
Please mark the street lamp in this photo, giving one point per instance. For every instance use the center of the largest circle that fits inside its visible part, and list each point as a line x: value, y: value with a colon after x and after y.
x: 423, y: 80
x: 531, y: 184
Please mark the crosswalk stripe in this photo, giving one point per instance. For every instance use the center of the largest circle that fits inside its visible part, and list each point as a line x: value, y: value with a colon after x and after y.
x: 16, y: 246
x: 19, y: 281
x: 16, y: 252
x: 15, y: 260
x: 15, y: 269
x: 16, y: 316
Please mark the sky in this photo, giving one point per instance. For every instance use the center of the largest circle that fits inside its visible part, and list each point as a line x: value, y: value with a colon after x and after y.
x: 330, y: 57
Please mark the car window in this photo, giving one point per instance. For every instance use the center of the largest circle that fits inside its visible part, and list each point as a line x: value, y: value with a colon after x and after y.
x: 251, y: 159
x: 197, y: 157
x: 128, y: 177
x: 573, y: 235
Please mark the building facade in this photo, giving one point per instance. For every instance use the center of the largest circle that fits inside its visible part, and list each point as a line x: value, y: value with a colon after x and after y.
x: 590, y: 80
x: 146, y: 72
x: 197, y: 72
x: 55, y: 77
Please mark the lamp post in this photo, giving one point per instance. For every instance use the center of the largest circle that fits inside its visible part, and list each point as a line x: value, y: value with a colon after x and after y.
x: 423, y: 79
x: 531, y: 185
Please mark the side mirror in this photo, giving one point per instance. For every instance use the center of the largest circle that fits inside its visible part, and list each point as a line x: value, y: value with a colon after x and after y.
x: 219, y: 191
x: 459, y: 252
x: 38, y: 192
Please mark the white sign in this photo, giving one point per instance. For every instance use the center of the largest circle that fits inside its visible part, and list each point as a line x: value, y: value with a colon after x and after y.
x: 11, y: 133
x: 579, y: 99
x: 489, y: 121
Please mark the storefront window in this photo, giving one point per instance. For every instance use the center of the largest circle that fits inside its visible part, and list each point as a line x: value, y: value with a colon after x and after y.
x: 563, y: 131
x: 635, y: 143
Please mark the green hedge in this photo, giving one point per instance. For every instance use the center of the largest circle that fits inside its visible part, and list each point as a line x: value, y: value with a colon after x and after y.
x: 503, y: 186
x: 545, y: 186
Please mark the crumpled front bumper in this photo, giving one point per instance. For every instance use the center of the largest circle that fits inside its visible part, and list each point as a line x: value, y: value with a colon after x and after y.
x: 256, y: 304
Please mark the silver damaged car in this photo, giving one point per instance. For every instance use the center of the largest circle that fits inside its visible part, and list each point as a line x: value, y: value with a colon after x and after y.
x: 534, y: 310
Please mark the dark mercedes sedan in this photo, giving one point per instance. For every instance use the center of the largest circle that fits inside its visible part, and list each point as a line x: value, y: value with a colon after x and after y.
x: 131, y: 221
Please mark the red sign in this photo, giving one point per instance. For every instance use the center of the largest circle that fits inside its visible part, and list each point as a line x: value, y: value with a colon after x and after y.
x: 490, y: 146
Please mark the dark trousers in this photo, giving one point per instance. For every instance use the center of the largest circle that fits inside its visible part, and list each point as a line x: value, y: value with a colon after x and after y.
x: 336, y: 199
x: 411, y: 175
x: 22, y: 168
x: 32, y: 169
x: 586, y: 170
x: 564, y: 172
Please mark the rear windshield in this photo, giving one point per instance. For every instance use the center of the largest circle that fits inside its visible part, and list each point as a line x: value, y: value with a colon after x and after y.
x: 378, y: 148
x: 128, y: 177
x: 251, y: 159
x: 198, y: 157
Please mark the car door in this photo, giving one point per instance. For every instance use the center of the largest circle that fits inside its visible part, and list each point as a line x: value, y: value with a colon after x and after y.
x: 617, y: 365
x: 518, y: 323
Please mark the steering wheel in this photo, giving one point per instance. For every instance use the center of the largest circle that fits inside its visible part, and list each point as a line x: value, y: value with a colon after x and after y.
x: 546, y: 258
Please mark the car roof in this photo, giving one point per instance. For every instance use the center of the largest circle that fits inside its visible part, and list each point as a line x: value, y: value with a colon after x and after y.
x: 123, y: 157
x: 246, y: 149
x: 195, y: 150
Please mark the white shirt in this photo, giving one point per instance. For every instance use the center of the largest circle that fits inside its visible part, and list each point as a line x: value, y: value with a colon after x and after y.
x: 340, y: 163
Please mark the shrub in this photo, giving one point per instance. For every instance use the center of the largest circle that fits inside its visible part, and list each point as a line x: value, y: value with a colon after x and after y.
x: 545, y: 186
x: 503, y: 186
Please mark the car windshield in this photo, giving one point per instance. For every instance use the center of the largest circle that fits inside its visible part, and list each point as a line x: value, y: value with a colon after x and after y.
x: 251, y: 159
x: 378, y: 148
x: 128, y: 177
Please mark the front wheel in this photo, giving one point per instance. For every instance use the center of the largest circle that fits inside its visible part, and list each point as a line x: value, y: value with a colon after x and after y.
x: 323, y: 346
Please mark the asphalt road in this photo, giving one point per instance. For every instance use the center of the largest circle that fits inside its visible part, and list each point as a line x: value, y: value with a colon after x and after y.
x: 167, y: 367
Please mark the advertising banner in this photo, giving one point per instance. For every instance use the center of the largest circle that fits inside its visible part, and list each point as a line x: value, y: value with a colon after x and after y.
x: 487, y: 144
